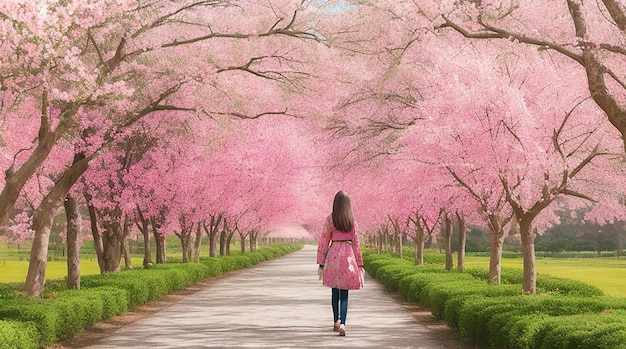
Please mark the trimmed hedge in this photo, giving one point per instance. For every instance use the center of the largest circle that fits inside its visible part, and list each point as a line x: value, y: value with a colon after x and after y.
x: 36, y: 323
x: 564, y: 314
x: 18, y: 334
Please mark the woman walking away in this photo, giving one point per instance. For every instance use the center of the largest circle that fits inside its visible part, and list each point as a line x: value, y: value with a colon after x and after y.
x: 339, y: 258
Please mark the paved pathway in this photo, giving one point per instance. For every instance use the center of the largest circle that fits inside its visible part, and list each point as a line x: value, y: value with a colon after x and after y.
x: 280, y: 304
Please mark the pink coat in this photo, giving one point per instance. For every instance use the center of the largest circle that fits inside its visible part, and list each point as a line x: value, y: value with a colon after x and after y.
x: 340, y: 253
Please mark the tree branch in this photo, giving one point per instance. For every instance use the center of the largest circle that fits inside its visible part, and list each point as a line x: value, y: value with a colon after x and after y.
x: 498, y: 33
x: 616, y: 10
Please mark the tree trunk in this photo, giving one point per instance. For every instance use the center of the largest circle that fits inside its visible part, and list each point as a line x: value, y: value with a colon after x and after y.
x: 143, y: 225
x: 160, y: 243
x: 73, y: 243
x: 185, y: 241
x: 496, y: 238
x: 447, y: 234
x: 128, y: 262
x: 528, y: 251
x: 242, y: 243
x: 186, y: 230
x: 112, y: 246
x: 197, y: 244
x: 252, y: 239
x: 229, y: 239
x: 419, y: 243
x: 397, y: 236
x: 42, y: 224
x: 223, y: 239
x: 95, y: 233
x: 211, y: 232
x: 147, y: 248
x: 462, y: 238
x: 36, y: 277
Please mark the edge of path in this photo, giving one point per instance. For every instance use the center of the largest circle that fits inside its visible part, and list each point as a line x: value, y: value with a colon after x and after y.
x: 447, y: 336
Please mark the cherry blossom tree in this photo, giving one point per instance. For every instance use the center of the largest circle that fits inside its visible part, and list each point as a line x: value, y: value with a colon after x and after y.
x: 514, y: 120
x: 588, y: 34
x: 120, y: 53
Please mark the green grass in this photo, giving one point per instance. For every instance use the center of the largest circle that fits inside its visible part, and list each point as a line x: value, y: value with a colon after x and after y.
x: 609, y: 274
x: 15, y: 271
x: 14, y: 259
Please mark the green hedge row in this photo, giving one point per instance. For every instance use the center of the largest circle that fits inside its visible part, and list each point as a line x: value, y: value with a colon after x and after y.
x: 36, y: 323
x: 564, y: 314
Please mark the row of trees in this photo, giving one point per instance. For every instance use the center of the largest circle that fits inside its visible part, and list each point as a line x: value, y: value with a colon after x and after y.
x: 200, y: 117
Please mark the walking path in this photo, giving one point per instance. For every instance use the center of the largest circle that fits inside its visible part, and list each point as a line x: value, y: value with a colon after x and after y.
x: 280, y: 304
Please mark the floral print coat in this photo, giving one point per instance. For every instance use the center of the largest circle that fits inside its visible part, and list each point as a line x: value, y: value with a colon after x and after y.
x: 340, y: 253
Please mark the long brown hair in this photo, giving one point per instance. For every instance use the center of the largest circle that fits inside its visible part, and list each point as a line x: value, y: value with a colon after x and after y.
x: 343, y: 219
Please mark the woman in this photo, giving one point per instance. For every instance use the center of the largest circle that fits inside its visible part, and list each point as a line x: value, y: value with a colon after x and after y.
x: 339, y: 258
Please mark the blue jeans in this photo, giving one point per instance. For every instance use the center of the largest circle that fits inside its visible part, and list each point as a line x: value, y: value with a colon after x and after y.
x: 340, y: 305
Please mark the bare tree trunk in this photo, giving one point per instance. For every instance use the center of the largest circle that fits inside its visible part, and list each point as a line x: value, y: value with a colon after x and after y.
x: 229, y: 239
x: 185, y: 241
x: 496, y: 238
x: 211, y: 232
x: 42, y: 224
x: 462, y: 238
x: 397, y: 235
x: 95, y: 233
x: 128, y: 262
x: 197, y: 244
x: 160, y: 243
x: 36, y: 277
x: 73, y: 243
x: 112, y: 246
x: 242, y: 242
x: 143, y: 225
x: 447, y: 235
x: 223, y: 238
x: 419, y: 239
x: 252, y: 239
x: 528, y: 251
x: 185, y: 238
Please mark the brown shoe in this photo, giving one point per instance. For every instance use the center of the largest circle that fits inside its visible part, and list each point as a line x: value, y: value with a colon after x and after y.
x: 342, y: 330
x: 336, y: 325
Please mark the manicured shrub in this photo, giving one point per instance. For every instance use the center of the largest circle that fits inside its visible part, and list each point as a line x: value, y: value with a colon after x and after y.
x: 503, y: 312
x: 255, y: 257
x: 214, y: 266
x: 507, y: 275
x: 137, y: 289
x: 548, y: 283
x: 269, y: 253
x: 242, y: 261
x: 113, y: 300
x: 37, y: 312
x: 440, y: 293
x: 563, y: 314
x: 456, y: 297
x: 228, y: 263
x: 431, y: 257
x: 390, y: 275
x: 18, y: 335
x: 7, y: 292
x: 605, y: 330
x: 372, y: 265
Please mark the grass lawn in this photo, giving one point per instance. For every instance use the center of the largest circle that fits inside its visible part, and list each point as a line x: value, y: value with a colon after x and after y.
x: 609, y: 274
x: 14, y: 260
x: 15, y: 271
